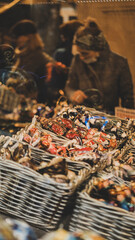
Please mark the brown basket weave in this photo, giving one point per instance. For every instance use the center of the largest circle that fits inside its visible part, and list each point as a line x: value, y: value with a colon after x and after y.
x: 108, y: 221
x: 37, y: 199
x: 76, y: 163
x: 8, y: 99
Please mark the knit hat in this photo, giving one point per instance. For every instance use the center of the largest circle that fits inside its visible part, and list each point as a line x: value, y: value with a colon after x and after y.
x: 90, y: 37
x: 69, y: 28
x: 90, y: 42
x: 23, y: 27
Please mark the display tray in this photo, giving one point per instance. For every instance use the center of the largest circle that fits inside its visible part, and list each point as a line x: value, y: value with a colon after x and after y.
x: 108, y: 221
x: 30, y: 196
x: 78, y: 160
x: 37, y: 199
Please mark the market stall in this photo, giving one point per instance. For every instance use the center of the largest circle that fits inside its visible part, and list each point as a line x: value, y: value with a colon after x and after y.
x: 75, y: 168
x: 67, y: 163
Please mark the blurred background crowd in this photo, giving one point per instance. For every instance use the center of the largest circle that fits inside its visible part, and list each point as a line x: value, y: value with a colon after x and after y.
x: 39, y: 42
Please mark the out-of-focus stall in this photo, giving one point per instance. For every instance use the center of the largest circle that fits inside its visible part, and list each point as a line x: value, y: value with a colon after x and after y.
x: 65, y: 165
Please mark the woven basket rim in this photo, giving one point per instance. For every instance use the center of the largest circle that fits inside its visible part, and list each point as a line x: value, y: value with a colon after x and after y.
x: 36, y: 176
x: 66, y: 158
x: 120, y: 211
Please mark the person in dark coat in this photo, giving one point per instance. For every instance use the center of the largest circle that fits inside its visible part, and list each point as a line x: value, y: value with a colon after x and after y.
x: 64, y: 54
x: 30, y: 55
x: 95, y: 66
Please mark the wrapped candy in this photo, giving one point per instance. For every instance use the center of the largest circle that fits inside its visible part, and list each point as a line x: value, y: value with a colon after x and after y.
x: 21, y: 230
x: 11, y: 229
x: 6, y: 231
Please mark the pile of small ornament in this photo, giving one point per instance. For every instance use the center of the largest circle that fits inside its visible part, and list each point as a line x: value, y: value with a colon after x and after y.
x: 116, y: 194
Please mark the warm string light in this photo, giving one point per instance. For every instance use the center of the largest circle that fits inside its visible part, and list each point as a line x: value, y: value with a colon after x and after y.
x: 8, y: 6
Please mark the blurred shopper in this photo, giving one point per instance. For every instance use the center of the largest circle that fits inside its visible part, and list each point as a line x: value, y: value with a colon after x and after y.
x: 64, y: 55
x: 30, y: 55
x: 95, y: 66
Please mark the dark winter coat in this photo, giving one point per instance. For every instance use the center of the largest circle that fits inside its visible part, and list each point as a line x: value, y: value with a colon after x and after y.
x: 110, y: 74
x: 59, y: 79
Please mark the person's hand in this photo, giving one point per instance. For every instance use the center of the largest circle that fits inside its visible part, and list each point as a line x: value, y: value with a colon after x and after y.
x: 58, y: 66
x: 78, y: 97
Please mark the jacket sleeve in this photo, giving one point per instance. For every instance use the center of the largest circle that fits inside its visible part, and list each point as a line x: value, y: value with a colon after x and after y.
x: 126, y: 86
x: 72, y: 81
x: 47, y: 58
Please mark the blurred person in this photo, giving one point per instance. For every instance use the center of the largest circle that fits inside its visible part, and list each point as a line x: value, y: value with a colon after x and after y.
x: 96, y: 67
x: 30, y: 55
x: 67, y: 32
x: 64, y: 55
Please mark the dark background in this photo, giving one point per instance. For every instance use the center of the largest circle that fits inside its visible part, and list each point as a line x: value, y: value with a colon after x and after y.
x: 46, y: 17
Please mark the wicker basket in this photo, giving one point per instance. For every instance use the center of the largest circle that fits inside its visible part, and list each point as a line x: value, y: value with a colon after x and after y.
x: 8, y: 99
x: 76, y: 163
x: 56, y: 139
x: 108, y: 221
x: 39, y: 155
x: 83, y: 169
x: 37, y: 199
